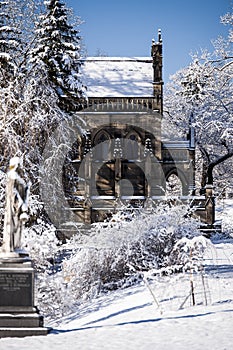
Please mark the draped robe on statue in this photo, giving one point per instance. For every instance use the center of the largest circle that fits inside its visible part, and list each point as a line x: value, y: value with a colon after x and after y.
x: 16, y: 207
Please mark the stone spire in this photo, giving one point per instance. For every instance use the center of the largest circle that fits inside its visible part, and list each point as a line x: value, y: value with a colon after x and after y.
x: 157, y: 57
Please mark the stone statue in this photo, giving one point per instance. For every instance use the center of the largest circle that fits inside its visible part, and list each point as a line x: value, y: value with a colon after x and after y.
x: 17, y: 193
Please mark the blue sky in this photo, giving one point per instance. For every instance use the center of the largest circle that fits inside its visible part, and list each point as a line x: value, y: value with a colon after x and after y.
x: 126, y: 27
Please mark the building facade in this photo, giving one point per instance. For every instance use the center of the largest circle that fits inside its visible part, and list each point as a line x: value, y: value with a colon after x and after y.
x: 122, y: 159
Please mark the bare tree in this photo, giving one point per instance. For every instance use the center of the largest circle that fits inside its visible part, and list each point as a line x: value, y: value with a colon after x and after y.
x: 200, y: 95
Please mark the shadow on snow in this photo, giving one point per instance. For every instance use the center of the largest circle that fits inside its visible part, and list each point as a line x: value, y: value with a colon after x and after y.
x: 153, y: 320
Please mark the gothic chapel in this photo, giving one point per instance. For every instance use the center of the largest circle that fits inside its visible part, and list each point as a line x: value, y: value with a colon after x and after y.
x: 122, y: 159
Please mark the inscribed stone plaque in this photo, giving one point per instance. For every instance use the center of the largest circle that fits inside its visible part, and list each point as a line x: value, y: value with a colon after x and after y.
x: 16, y: 288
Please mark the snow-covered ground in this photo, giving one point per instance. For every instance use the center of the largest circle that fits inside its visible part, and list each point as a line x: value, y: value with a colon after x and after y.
x: 132, y: 319
x: 224, y: 212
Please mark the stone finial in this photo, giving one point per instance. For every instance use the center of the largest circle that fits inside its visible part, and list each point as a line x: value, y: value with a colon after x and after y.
x: 159, y: 36
x: 157, y: 61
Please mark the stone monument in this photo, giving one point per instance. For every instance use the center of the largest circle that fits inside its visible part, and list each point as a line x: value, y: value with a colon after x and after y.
x: 18, y: 315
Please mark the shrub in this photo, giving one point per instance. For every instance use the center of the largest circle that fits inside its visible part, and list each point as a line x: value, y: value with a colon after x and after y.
x: 108, y: 256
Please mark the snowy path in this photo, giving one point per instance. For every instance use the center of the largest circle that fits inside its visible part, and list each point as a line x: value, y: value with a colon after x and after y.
x: 131, y: 320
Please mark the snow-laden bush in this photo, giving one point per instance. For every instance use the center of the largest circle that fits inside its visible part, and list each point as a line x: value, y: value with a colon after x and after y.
x: 227, y: 226
x: 188, y: 253
x: 108, y: 255
x: 118, y: 252
x: 224, y: 213
x: 41, y: 242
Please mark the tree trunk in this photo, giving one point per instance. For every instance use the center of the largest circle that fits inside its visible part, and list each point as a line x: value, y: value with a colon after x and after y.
x: 205, y: 166
x: 211, y: 166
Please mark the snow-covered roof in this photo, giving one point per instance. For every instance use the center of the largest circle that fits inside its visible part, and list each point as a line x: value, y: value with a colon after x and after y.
x: 118, y: 76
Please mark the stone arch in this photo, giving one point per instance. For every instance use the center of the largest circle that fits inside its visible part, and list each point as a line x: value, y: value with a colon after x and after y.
x: 134, y: 179
x: 101, y: 136
x: 133, y: 145
x: 176, y: 183
x: 102, y: 139
x: 173, y: 186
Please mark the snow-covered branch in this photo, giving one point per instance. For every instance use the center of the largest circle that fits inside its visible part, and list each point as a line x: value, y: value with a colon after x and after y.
x: 204, y: 89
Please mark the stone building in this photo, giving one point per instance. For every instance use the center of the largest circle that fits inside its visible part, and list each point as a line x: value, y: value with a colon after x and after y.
x: 123, y: 158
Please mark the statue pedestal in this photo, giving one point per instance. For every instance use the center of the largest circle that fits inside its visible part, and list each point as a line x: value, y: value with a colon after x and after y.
x: 18, y: 315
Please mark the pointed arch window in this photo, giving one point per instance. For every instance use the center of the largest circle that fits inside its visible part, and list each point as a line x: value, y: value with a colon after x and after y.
x: 133, y: 146
x: 173, y: 186
x: 102, y: 145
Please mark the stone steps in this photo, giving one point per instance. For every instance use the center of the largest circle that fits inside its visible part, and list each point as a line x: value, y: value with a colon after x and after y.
x: 22, y: 331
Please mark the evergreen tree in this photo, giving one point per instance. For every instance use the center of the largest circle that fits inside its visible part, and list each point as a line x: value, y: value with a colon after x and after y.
x: 9, y: 43
x: 57, y: 52
x: 28, y: 105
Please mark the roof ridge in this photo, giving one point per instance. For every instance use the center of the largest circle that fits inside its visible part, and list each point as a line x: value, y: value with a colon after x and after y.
x: 118, y: 59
